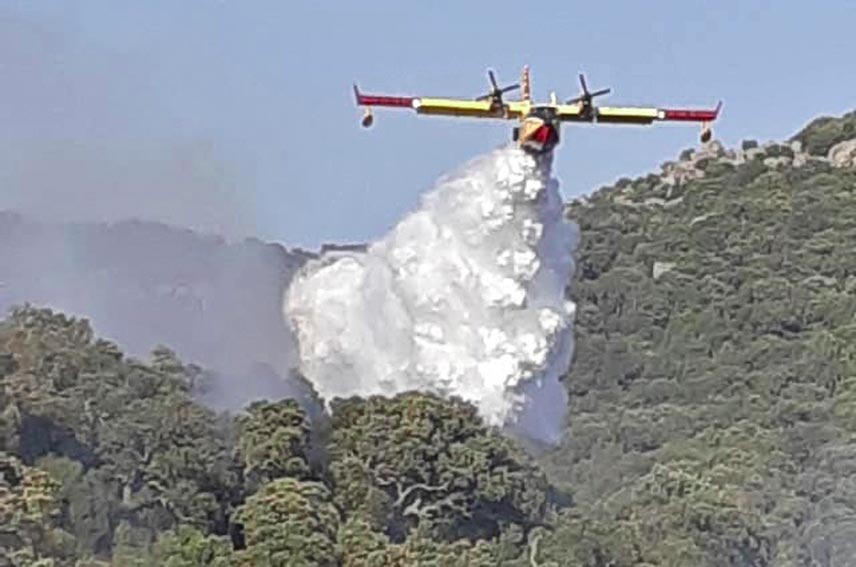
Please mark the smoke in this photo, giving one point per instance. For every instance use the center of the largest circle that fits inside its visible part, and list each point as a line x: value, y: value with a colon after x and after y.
x: 96, y: 157
x: 90, y: 136
x: 183, y: 183
x: 465, y: 296
x: 143, y: 284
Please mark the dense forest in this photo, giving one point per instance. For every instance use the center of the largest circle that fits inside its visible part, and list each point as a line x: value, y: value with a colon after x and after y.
x: 713, y: 412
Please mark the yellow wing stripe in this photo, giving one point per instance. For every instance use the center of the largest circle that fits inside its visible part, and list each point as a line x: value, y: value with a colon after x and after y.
x: 634, y: 112
x: 463, y: 107
x: 628, y: 113
x: 520, y: 109
x: 568, y: 111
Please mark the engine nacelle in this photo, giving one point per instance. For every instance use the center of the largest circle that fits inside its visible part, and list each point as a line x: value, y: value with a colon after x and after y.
x: 368, y: 119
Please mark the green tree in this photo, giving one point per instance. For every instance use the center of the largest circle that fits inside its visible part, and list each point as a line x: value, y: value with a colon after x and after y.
x: 136, y: 446
x: 824, y: 132
x: 29, y: 507
x: 273, y: 442
x: 10, y: 416
x: 416, y: 460
x: 360, y: 546
x: 187, y: 546
x: 291, y: 523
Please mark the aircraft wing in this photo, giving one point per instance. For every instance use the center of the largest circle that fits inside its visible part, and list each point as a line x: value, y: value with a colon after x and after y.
x: 633, y: 115
x: 440, y: 106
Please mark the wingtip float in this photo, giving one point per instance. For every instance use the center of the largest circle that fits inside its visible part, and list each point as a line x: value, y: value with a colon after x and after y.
x: 538, y: 123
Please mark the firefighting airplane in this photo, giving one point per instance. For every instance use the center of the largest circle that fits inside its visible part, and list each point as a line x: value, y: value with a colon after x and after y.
x: 538, y: 131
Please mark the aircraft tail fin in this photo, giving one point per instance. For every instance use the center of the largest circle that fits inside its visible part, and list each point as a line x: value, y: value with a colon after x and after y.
x: 524, y: 83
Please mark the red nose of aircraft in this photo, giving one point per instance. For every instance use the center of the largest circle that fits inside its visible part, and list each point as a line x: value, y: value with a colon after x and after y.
x: 543, y: 139
x: 546, y: 135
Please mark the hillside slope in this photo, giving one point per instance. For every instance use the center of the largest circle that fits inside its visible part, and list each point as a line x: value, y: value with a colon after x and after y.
x: 714, y: 382
x: 712, y: 424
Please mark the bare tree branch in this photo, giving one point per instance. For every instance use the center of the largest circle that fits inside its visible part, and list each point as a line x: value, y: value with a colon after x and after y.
x: 402, y: 493
x: 423, y: 512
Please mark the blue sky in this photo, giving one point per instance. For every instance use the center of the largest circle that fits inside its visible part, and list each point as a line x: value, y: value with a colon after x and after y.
x: 258, y: 94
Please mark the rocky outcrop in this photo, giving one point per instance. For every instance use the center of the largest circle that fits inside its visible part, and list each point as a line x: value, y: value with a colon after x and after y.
x: 693, y: 164
x: 843, y: 154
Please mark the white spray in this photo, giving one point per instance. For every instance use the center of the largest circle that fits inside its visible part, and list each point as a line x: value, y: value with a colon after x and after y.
x: 465, y: 296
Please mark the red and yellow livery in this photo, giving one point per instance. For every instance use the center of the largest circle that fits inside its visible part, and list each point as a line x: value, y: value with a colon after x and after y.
x: 538, y: 128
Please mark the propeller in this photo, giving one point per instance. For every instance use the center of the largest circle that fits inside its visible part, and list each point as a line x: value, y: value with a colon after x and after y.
x: 496, y: 92
x: 586, y: 96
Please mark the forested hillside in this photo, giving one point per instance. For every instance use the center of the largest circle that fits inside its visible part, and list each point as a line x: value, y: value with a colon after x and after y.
x: 714, y: 384
x: 104, y: 456
x: 712, y: 422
